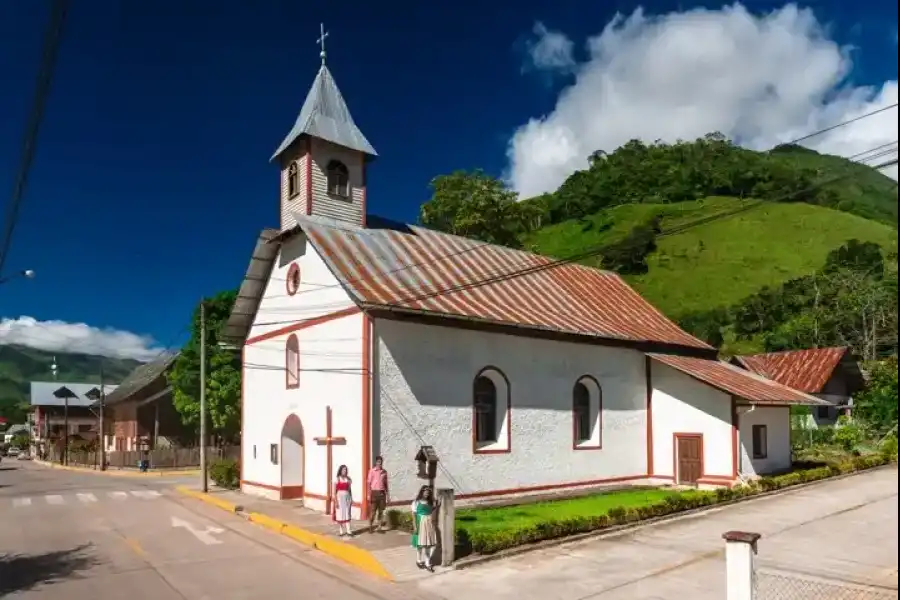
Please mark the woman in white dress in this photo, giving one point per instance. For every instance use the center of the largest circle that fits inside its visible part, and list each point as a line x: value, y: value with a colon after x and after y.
x: 424, y: 537
x: 343, y: 501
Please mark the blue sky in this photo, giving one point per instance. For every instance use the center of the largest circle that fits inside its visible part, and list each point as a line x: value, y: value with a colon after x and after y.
x: 152, y: 179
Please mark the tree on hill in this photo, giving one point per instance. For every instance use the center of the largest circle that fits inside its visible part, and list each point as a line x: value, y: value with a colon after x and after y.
x: 877, y: 404
x: 223, y: 373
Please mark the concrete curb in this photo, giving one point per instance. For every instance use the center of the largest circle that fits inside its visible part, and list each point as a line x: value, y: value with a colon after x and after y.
x: 116, y: 472
x: 616, y: 530
x: 351, y: 555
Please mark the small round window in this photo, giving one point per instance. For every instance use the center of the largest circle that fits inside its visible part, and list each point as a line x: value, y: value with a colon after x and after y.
x: 293, y: 279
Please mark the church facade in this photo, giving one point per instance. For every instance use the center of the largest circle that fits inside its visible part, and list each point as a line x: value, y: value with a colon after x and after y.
x: 363, y: 337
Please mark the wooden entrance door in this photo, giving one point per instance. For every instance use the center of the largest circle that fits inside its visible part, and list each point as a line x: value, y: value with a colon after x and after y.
x: 689, y: 458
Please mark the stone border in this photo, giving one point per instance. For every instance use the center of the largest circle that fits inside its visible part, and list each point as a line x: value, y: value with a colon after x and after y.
x: 351, y: 555
x: 615, y: 530
x: 118, y: 472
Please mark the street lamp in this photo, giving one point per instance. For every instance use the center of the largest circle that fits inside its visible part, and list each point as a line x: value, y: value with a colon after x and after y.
x: 26, y: 274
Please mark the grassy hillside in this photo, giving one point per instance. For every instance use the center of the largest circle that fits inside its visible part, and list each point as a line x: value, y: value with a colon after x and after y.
x: 723, y: 261
x: 19, y: 366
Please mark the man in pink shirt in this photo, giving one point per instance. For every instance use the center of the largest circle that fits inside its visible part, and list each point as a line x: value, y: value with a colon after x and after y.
x: 377, y: 480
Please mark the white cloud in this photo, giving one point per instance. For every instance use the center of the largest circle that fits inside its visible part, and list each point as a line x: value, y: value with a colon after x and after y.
x: 550, y: 50
x: 761, y: 80
x: 59, y: 336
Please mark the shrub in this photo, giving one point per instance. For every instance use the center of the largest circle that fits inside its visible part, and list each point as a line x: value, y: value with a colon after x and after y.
x: 888, y: 447
x: 226, y: 473
x: 848, y: 434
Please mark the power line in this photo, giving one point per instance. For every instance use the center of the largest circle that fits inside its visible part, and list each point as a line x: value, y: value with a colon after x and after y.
x: 29, y: 144
x: 842, y: 124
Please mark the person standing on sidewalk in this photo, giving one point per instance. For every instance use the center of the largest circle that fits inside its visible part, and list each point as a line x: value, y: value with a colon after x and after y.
x: 377, y: 480
x: 424, y: 538
x: 343, y: 502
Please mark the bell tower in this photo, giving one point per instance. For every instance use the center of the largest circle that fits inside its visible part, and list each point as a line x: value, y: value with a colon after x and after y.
x: 323, y: 159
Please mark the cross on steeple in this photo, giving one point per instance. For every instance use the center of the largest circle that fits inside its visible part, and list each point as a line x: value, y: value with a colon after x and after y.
x: 321, y: 41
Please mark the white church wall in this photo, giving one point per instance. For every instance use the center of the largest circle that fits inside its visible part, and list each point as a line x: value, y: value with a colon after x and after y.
x: 423, y: 396
x: 682, y: 404
x: 330, y: 375
x: 777, y: 422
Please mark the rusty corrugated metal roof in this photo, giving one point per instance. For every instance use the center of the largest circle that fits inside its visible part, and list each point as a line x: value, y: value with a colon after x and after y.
x: 804, y: 370
x: 420, y: 270
x: 737, y: 382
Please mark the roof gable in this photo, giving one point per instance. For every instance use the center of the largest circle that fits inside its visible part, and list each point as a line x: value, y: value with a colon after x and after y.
x: 805, y: 370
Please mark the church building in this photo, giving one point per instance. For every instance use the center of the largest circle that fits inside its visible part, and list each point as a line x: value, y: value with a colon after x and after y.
x: 364, y: 337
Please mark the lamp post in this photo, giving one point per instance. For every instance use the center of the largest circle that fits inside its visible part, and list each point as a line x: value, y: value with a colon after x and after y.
x: 26, y: 274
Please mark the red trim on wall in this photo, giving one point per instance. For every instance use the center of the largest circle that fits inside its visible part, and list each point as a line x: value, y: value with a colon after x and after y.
x: 508, y: 449
x: 735, y: 438
x: 309, y: 161
x: 362, y: 158
x: 304, y: 324
x: 599, y: 445
x: 675, y: 437
x: 295, y: 342
x: 648, y: 365
x: 366, y: 409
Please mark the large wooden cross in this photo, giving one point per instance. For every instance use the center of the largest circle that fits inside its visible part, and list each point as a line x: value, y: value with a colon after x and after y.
x: 329, y: 441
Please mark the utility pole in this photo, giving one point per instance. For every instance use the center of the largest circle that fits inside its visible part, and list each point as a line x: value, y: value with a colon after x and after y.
x: 203, y: 466
x: 66, y: 431
x: 102, y: 427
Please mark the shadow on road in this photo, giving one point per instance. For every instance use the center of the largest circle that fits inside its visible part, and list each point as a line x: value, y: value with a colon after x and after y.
x: 8, y: 468
x: 22, y: 572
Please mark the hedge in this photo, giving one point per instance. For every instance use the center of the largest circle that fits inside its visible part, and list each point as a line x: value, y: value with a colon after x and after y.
x: 226, y: 473
x: 495, y: 540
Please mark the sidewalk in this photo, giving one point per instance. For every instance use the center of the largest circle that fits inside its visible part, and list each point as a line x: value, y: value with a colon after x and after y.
x: 387, y: 554
x: 119, y: 472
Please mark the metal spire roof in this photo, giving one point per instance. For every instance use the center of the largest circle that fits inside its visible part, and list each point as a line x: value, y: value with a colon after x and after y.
x: 325, y: 115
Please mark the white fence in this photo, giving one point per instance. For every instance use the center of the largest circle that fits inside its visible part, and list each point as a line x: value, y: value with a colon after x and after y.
x: 746, y: 582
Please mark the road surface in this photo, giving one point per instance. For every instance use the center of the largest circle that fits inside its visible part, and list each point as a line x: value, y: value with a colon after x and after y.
x: 71, y: 536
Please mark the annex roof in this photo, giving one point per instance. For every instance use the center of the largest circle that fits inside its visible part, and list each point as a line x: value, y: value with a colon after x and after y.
x: 325, y: 115
x: 804, y: 370
x: 414, y: 270
x: 733, y: 380
x: 252, y: 287
x: 50, y: 393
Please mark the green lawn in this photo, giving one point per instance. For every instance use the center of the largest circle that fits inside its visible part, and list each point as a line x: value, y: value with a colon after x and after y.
x: 505, y: 517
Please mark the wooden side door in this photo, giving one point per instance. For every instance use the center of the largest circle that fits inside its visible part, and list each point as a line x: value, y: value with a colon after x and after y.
x: 689, y: 449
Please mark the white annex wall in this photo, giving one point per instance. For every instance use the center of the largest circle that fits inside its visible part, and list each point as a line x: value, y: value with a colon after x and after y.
x: 423, y: 396
x: 681, y: 404
x: 330, y: 375
x: 777, y: 420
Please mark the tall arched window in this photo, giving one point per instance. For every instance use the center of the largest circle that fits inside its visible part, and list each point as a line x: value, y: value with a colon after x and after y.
x: 587, y: 414
x: 338, y: 179
x: 292, y: 362
x: 485, y: 399
x: 293, y: 180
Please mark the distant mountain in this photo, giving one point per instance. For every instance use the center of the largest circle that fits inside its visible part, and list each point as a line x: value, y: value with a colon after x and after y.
x: 20, y: 365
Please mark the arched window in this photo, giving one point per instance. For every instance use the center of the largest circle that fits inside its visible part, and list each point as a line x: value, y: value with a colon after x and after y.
x: 587, y: 414
x: 485, y: 399
x: 292, y: 362
x: 293, y: 181
x: 338, y: 179
x: 581, y: 408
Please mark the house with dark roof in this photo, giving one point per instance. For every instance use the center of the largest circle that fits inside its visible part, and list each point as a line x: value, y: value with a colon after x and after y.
x: 140, y: 412
x: 363, y: 337
x: 832, y: 374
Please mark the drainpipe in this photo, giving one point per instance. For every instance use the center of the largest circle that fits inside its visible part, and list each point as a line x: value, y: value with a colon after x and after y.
x: 740, y: 445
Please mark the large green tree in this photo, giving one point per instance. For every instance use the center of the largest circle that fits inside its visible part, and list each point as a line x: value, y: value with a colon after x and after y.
x: 477, y: 206
x: 223, y: 373
x: 877, y: 404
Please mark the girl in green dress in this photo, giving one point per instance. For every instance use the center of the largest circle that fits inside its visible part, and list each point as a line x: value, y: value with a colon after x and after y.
x: 424, y: 537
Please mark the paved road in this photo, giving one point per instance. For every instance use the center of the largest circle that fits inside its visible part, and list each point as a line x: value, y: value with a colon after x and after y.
x: 815, y: 541
x: 67, y: 535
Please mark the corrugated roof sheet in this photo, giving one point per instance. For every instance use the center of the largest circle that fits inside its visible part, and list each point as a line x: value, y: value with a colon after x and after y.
x: 804, y: 370
x: 250, y: 293
x: 325, y: 115
x: 737, y: 382
x: 141, y: 377
x: 419, y: 270
x: 42, y: 393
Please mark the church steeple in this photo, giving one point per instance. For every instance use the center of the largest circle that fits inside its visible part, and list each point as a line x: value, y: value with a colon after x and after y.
x: 323, y: 158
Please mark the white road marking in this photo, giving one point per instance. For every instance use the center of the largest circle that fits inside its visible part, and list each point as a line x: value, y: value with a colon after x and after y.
x: 118, y: 495
x: 87, y: 497
x: 146, y: 494
x: 55, y: 500
x: 19, y: 502
x: 204, y: 535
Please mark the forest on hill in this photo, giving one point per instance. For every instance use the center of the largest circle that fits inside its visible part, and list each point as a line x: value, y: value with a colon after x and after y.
x: 704, y: 229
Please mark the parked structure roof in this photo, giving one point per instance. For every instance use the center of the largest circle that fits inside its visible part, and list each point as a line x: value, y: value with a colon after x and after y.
x: 805, y: 370
x: 52, y: 393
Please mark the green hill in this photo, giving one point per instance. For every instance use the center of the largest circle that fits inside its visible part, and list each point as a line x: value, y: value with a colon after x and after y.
x: 719, y: 263
x: 19, y: 366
